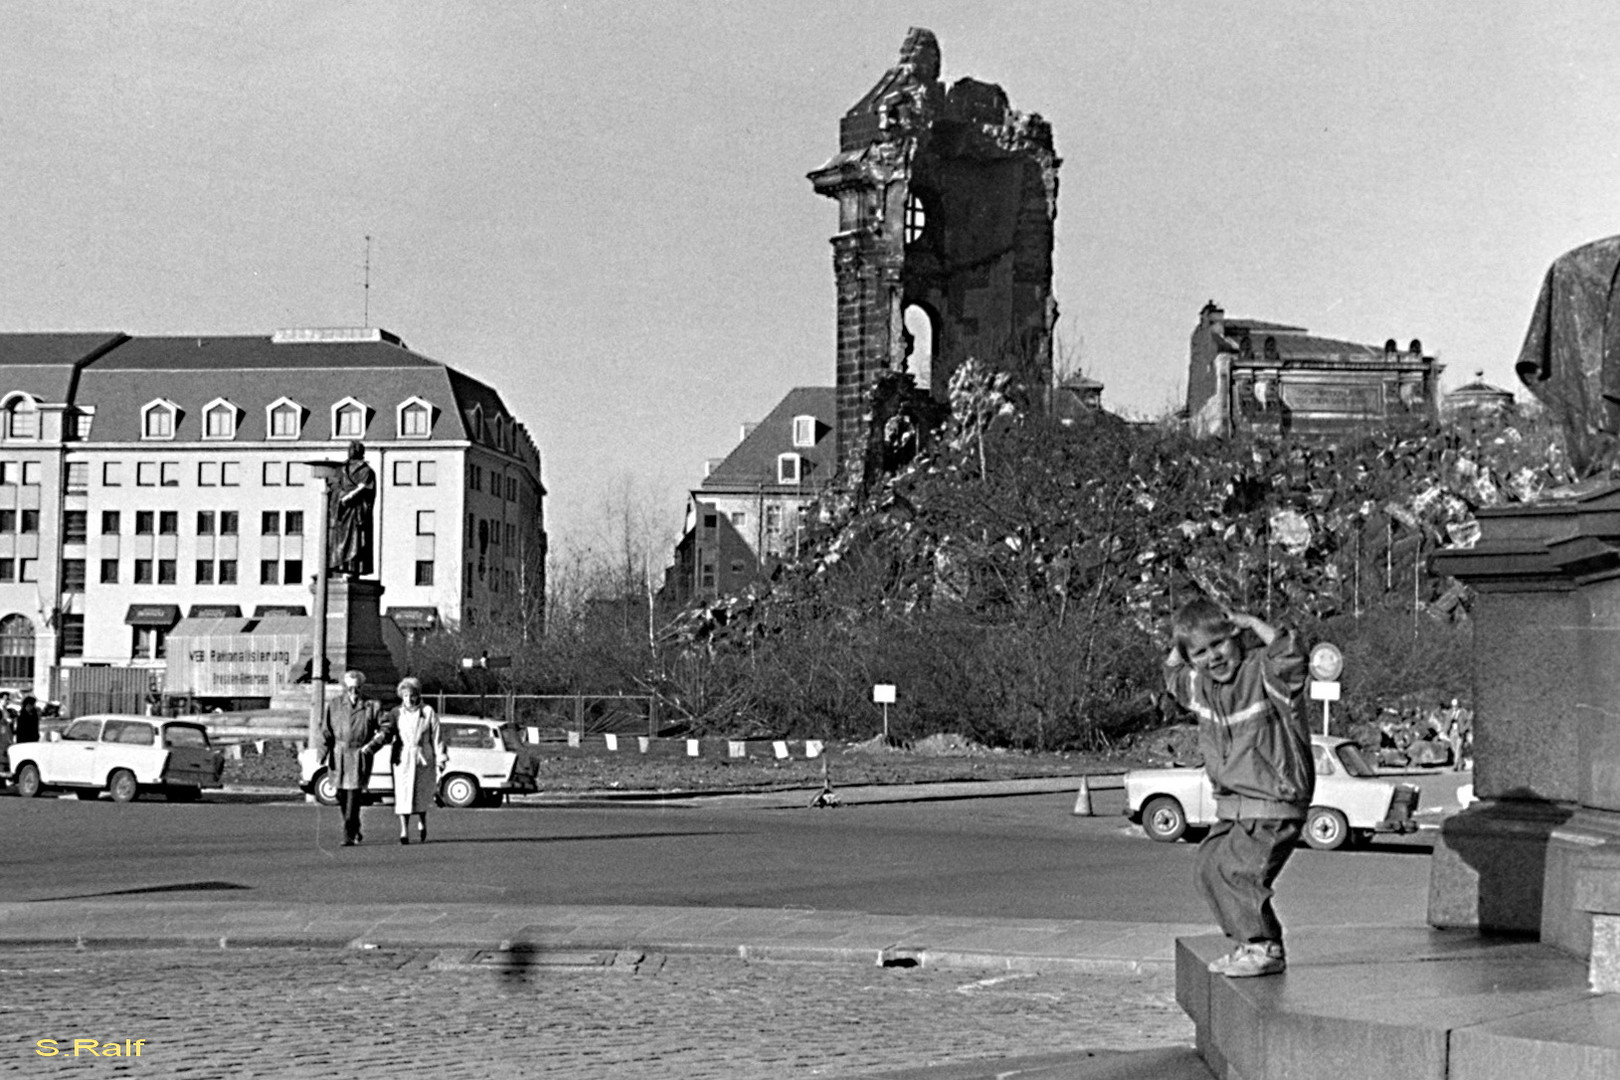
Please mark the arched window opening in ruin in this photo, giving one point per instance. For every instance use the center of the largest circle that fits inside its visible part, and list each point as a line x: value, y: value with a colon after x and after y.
x: 920, y: 346
x: 916, y: 218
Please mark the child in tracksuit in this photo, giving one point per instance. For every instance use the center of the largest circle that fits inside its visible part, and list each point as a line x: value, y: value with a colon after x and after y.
x: 1257, y: 750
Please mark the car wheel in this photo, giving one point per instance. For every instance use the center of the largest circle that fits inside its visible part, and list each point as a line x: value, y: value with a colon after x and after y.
x: 1326, y: 829
x: 87, y: 794
x: 122, y: 787
x: 325, y: 788
x: 28, y: 785
x: 1163, y: 819
x: 459, y: 791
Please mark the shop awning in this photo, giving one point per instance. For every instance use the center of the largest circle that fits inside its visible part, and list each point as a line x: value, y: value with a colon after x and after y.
x: 152, y: 615
x: 215, y: 611
x: 415, y: 618
x: 278, y: 609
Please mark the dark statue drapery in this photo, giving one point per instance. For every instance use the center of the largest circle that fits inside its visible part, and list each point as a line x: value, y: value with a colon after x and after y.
x: 349, y: 536
x: 1571, y: 355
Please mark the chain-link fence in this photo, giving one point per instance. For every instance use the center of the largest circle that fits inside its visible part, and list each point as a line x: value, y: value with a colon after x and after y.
x: 554, y: 715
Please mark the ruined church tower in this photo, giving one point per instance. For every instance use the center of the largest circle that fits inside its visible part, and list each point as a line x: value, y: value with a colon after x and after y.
x: 946, y: 205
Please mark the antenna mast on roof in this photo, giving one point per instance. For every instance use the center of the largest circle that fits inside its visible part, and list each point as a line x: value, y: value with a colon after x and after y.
x: 366, y: 288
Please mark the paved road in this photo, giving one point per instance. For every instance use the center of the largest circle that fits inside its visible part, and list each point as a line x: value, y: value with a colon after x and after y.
x: 1022, y: 857
x: 327, y: 1013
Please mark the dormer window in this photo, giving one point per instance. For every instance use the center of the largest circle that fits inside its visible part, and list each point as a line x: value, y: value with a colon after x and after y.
x: 475, y: 423
x: 219, y: 419
x: 284, y: 419
x: 158, y: 419
x: 804, y: 431
x: 415, y: 419
x: 789, y: 469
x: 349, y: 419
x: 21, y: 418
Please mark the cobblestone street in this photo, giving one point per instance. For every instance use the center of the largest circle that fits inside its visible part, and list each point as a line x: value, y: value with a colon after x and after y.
x: 328, y: 1012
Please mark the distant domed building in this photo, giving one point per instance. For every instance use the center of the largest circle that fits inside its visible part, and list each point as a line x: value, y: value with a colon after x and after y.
x: 1478, y: 399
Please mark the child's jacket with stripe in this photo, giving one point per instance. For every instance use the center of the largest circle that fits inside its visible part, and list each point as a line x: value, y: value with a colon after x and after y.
x: 1253, y: 732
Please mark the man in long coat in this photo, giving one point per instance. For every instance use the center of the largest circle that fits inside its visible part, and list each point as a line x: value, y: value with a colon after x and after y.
x: 351, y: 731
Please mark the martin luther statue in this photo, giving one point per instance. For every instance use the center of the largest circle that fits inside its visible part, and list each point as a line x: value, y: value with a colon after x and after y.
x: 351, y: 495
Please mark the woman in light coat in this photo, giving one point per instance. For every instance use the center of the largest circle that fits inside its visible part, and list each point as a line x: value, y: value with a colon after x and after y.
x: 419, y: 759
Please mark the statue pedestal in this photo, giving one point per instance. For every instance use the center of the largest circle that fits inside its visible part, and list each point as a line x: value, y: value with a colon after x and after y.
x: 1541, y: 852
x: 354, y: 634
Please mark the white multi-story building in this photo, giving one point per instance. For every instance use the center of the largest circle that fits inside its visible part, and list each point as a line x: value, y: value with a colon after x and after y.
x: 146, y: 479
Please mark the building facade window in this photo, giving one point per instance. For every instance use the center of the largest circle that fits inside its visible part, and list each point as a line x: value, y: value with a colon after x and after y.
x: 292, y: 571
x: 170, y: 474
x: 227, y: 571
x: 157, y: 420
x: 205, y: 571
x: 167, y: 572
x: 8, y: 571
x: 75, y: 526
x: 804, y: 431
x: 109, y: 571
x: 205, y: 523
x: 143, y: 572
x: 72, y: 635
x: 404, y: 473
x: 348, y: 419
x: 28, y: 522
x: 17, y: 649
x: 22, y: 419
x: 270, y: 523
x: 273, y: 473
x: 415, y: 420
x: 169, y: 522
x: 229, y: 522
x: 427, y: 473
x: 293, y: 523
x: 269, y: 572
x: 424, y: 523
x: 27, y: 570
x: 145, y: 522
x: 78, y: 477
x: 149, y: 643
x: 285, y: 419
x: 30, y: 473
x: 789, y: 469
x: 73, y: 575
x: 219, y: 420
x: 112, y: 473
x: 110, y: 522
x: 146, y: 474
x: 424, y: 571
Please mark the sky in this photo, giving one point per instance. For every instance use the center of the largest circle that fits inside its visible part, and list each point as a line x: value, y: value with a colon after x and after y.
x: 601, y: 208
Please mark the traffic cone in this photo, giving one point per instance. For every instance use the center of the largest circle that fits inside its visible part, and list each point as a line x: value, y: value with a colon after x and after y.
x: 1082, y: 801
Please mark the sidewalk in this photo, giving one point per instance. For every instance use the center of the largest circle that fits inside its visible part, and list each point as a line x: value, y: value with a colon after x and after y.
x: 507, y: 938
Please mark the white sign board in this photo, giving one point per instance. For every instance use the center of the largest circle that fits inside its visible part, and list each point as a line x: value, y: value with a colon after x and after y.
x: 883, y: 694
x: 1322, y: 690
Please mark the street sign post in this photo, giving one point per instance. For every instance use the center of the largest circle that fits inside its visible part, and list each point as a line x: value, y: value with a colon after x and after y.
x: 883, y: 694
x: 1327, y: 664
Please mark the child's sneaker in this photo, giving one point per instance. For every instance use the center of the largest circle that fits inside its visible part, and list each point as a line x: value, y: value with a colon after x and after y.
x: 1252, y: 959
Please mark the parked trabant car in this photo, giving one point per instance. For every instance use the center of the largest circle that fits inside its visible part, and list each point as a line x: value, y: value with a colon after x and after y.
x: 121, y: 755
x: 1351, y: 802
x: 486, y: 763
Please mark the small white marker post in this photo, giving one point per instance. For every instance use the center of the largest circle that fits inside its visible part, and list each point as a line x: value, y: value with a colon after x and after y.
x: 883, y: 694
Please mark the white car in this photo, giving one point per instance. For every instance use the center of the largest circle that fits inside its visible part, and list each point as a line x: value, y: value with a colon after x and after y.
x: 485, y: 764
x: 121, y: 755
x: 1351, y: 802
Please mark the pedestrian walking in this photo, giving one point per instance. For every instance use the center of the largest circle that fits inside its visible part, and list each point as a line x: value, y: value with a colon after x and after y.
x: 351, y: 732
x: 419, y: 758
x: 26, y: 724
x: 1250, y: 705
